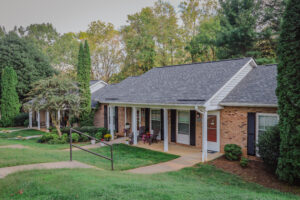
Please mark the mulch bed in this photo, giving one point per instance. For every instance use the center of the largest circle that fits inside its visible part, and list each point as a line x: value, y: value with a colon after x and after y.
x: 255, y: 172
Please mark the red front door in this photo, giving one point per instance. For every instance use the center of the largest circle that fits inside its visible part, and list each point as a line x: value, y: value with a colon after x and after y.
x: 212, y: 128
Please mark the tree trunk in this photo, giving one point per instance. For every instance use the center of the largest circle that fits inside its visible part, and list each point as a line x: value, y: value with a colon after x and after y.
x: 56, y: 123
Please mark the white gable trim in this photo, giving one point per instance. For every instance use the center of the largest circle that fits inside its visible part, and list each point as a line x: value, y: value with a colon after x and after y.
x: 97, y: 86
x: 228, y: 87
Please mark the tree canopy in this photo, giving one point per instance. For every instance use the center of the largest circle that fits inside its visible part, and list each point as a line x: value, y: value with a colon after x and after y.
x: 55, y: 94
x: 27, y: 61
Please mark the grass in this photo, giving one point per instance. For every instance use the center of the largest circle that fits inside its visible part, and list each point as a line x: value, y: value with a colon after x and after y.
x: 125, y: 157
x: 23, y: 133
x: 200, y: 182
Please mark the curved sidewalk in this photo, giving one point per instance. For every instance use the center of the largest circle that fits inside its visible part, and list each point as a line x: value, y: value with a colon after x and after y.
x: 52, y: 165
x: 187, y: 160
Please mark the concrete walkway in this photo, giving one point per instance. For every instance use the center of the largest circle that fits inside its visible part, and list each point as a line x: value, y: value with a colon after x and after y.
x: 53, y: 165
x: 187, y: 160
x: 14, y: 146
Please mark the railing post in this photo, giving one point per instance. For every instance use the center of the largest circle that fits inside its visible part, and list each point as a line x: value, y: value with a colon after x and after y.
x: 70, y: 144
x: 111, y: 156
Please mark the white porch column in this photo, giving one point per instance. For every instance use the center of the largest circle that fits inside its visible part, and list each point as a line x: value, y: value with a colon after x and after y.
x: 58, y: 117
x: 30, y: 119
x: 166, y: 124
x: 47, y: 119
x: 125, y: 118
x: 140, y: 117
x: 134, y: 125
x: 111, y: 121
x: 38, y: 120
x: 204, y: 136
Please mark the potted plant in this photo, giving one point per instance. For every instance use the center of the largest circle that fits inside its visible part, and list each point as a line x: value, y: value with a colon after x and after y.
x: 93, y: 141
x: 107, y: 137
x: 127, y: 126
x: 127, y: 141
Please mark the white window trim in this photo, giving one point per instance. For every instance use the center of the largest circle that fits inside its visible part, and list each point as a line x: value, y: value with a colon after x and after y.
x: 150, y: 118
x: 186, y: 110
x: 256, y: 126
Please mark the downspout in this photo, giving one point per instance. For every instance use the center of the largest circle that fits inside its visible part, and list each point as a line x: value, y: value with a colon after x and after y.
x: 204, y: 132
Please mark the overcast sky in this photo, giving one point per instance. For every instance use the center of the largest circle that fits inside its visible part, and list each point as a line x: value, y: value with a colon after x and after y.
x: 69, y: 15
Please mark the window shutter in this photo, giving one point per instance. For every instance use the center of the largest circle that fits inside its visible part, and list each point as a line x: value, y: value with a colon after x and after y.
x: 147, y: 119
x: 162, y: 124
x: 192, y: 127
x: 116, y: 119
x: 251, y: 134
x: 105, y: 117
x: 173, y: 125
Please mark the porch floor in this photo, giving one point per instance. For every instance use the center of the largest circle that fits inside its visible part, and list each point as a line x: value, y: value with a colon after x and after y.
x: 180, y: 150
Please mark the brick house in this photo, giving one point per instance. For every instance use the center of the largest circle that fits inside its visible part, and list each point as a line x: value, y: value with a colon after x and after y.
x: 206, y: 105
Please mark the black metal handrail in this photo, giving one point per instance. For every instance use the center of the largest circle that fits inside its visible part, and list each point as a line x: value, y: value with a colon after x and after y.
x: 93, y: 138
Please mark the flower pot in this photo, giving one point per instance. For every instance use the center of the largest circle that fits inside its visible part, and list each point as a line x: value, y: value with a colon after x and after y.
x: 93, y: 141
x: 102, y: 144
x: 127, y: 142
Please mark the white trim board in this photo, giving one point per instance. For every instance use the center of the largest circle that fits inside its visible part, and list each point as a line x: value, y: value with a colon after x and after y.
x: 231, y: 84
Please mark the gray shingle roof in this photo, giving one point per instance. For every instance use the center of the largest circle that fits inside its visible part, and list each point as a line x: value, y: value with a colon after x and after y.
x: 181, y: 84
x: 258, y: 87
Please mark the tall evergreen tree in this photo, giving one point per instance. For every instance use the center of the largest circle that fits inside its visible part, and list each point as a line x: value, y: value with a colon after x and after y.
x: 10, y: 105
x: 238, y: 20
x: 288, y: 93
x: 83, y: 76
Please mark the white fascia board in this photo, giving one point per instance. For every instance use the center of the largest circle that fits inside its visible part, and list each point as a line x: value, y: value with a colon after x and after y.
x: 249, y: 105
x: 231, y: 84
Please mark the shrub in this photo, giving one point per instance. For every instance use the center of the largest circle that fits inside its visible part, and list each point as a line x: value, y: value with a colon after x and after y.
x: 20, y: 119
x: 269, y: 147
x: 83, y: 138
x: 75, y: 137
x: 90, y: 130
x: 26, y: 123
x: 232, y: 151
x: 99, y: 135
x: 45, y: 138
x: 244, y: 162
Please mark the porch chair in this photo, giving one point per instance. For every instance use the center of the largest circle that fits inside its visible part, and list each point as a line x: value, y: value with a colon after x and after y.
x: 153, y: 137
x: 142, y: 132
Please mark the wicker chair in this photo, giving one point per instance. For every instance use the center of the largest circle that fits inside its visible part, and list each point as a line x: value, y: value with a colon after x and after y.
x: 142, y: 132
x: 153, y: 137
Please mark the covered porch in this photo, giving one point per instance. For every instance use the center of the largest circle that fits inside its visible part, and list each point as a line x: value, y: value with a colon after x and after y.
x: 180, y: 128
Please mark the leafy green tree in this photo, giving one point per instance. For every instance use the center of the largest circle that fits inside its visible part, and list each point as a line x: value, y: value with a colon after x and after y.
x: 202, y: 47
x: 238, y: 20
x: 83, y: 78
x: 55, y: 94
x: 27, y: 61
x: 106, y: 49
x: 10, y: 105
x: 288, y: 93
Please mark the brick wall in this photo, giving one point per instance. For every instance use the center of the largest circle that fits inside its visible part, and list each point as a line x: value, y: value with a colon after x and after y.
x: 233, y: 129
x: 99, y: 116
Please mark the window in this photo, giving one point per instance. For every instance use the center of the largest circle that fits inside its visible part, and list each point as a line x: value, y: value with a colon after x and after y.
x: 155, y: 120
x: 266, y: 121
x: 183, y: 122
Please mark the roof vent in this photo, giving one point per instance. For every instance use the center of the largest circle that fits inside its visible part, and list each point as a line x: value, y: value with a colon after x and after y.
x: 111, y: 99
x: 190, y: 99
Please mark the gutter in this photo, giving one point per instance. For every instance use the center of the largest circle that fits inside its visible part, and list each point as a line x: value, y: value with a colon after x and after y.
x: 249, y: 105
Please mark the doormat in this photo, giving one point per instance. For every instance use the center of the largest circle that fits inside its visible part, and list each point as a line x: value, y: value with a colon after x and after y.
x: 211, y: 151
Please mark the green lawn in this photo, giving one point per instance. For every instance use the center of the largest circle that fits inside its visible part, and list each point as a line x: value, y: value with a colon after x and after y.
x: 125, y: 157
x: 200, y: 182
x: 23, y: 133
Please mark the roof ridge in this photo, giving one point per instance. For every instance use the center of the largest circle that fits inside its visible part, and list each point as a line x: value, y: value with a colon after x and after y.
x: 202, y: 62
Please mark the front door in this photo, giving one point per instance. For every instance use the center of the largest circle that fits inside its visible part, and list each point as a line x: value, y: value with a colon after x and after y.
x: 183, y: 136
x: 212, y: 132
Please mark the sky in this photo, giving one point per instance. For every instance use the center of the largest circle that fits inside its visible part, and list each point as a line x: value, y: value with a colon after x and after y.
x: 70, y: 15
